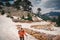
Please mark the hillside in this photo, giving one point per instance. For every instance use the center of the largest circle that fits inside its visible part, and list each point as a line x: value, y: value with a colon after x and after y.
x: 52, y: 14
x: 8, y: 30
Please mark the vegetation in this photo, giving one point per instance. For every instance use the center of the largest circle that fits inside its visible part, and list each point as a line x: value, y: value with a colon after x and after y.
x: 45, y: 18
x: 39, y: 9
x: 25, y: 4
x: 58, y: 21
x: 38, y: 13
x: 8, y: 4
x: 28, y: 18
x: 1, y: 3
x: 2, y: 12
x: 53, y: 20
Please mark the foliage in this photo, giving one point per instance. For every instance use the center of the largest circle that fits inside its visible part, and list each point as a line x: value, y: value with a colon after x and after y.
x: 38, y: 13
x: 1, y: 3
x: 8, y: 4
x: 28, y: 18
x: 39, y: 9
x: 2, y: 13
x: 45, y: 17
x: 25, y: 4
x: 58, y: 21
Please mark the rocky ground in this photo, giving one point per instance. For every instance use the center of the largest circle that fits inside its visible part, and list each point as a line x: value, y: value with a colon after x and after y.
x: 41, y: 30
x: 8, y: 30
x: 42, y: 36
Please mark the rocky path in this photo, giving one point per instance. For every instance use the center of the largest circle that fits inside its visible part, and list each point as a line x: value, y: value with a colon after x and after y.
x: 8, y: 30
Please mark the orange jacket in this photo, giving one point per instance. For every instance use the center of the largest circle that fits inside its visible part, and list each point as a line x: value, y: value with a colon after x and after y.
x: 21, y: 33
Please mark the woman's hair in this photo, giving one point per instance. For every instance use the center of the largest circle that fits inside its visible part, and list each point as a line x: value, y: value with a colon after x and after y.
x: 21, y: 28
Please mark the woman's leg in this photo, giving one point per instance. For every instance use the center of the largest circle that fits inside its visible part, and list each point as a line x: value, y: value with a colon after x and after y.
x: 20, y: 38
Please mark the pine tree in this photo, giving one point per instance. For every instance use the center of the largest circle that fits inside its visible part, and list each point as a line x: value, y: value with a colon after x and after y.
x: 25, y: 4
x: 2, y: 13
x: 17, y: 4
x: 39, y: 14
x: 58, y: 21
x: 29, y: 17
x: 0, y: 7
x: 39, y: 9
x: 1, y: 3
x: 8, y: 4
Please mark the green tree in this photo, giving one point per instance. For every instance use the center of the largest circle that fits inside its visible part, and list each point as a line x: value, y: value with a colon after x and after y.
x: 17, y: 4
x: 39, y: 9
x: 29, y: 17
x: 0, y: 7
x: 54, y: 19
x: 1, y: 3
x: 38, y: 13
x: 58, y: 21
x: 8, y: 4
x: 25, y: 4
x: 2, y: 12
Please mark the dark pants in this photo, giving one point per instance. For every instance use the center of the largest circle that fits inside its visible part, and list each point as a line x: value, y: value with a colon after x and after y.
x: 21, y: 38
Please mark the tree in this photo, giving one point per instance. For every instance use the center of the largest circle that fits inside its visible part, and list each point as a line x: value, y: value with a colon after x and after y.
x: 39, y: 14
x: 8, y: 4
x: 1, y: 3
x: 2, y: 13
x: 54, y: 19
x: 0, y: 7
x: 25, y: 4
x: 39, y: 9
x: 17, y: 4
x: 58, y: 22
x: 29, y: 17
